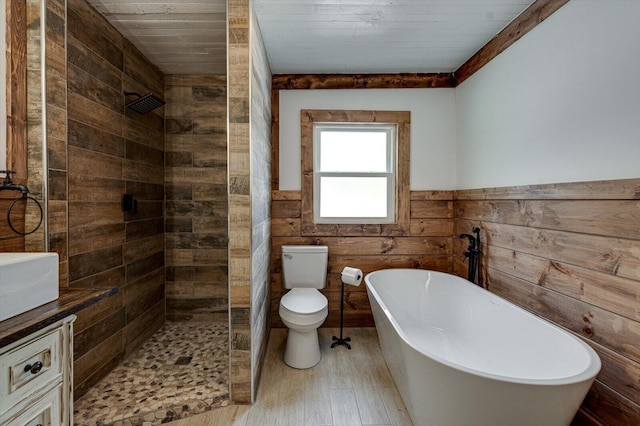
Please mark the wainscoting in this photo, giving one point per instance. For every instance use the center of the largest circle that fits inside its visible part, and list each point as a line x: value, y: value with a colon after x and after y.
x: 569, y: 253
x: 426, y: 244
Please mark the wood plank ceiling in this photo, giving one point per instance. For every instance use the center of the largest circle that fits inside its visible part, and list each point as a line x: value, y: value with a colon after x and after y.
x: 179, y: 36
x: 316, y: 36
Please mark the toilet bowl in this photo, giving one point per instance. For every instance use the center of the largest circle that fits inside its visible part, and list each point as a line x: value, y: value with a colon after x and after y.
x: 303, y: 308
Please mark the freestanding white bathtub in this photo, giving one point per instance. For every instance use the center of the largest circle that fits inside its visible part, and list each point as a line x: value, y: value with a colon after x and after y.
x: 463, y: 356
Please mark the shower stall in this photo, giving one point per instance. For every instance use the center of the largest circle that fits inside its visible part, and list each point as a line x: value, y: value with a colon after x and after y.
x: 188, y: 249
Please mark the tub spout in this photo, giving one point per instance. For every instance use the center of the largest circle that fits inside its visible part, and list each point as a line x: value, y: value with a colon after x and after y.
x: 471, y: 238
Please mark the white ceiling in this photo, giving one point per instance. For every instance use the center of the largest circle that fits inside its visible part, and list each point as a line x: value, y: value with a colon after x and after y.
x: 379, y: 36
x: 316, y: 36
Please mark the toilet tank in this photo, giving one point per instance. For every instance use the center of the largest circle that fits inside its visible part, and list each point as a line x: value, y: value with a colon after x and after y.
x: 304, y: 266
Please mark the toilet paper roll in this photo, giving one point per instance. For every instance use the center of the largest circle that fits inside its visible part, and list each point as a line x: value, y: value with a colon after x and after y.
x: 351, y: 276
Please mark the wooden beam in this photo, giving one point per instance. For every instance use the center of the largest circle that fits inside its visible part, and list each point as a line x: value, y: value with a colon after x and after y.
x: 525, y: 22
x: 361, y: 81
x: 537, y: 12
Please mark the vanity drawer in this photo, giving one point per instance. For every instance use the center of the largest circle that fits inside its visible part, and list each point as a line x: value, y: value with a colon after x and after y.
x: 29, y: 368
x: 47, y: 411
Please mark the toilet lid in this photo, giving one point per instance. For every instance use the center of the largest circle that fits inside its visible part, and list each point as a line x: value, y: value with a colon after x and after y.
x: 304, y: 300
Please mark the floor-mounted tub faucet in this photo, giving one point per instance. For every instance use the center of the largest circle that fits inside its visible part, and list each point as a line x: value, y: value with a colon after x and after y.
x: 472, y: 253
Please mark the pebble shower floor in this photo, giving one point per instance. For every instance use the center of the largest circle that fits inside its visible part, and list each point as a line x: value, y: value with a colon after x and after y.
x: 180, y: 371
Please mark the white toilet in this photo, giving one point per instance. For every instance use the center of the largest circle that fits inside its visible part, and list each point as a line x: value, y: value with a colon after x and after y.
x: 303, y: 308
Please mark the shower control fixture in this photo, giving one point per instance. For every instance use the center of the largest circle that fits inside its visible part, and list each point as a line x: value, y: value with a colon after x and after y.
x: 129, y: 204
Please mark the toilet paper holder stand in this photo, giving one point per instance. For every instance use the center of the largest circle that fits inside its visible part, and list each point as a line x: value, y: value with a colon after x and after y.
x: 343, y: 341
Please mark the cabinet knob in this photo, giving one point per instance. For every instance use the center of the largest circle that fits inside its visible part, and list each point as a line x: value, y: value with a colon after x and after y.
x: 34, y: 368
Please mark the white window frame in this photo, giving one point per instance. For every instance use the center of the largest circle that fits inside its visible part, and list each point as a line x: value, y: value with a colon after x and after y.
x: 391, y: 131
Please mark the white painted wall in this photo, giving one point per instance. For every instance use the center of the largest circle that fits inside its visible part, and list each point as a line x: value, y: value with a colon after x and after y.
x: 432, y: 129
x: 3, y: 90
x: 560, y: 105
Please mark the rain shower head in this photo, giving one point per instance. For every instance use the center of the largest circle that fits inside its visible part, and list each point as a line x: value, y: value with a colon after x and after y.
x: 144, y: 104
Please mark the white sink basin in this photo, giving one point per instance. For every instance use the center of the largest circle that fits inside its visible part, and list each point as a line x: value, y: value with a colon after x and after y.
x: 27, y: 280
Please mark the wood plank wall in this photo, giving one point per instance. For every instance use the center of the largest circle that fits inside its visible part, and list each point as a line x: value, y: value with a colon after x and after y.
x: 570, y: 253
x: 425, y: 243
x: 25, y: 154
x: 428, y: 245
x: 196, y: 198
x: 35, y: 118
x: 9, y: 240
x: 110, y: 151
x: 16, y: 89
x: 567, y: 252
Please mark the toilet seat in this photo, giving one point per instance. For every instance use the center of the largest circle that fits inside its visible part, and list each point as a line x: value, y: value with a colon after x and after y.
x: 303, y: 306
x: 304, y: 300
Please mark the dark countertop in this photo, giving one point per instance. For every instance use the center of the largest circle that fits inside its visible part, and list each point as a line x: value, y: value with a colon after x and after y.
x: 70, y: 301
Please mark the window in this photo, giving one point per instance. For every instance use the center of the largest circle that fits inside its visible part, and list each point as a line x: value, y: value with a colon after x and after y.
x: 354, y: 173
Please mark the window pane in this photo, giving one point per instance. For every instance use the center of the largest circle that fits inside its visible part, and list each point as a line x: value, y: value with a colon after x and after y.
x: 353, y: 196
x: 353, y: 151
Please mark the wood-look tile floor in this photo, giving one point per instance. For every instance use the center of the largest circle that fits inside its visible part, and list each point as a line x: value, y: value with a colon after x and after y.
x: 348, y: 387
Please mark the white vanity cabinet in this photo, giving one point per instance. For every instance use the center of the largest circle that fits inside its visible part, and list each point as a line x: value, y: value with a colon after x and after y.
x: 36, y: 377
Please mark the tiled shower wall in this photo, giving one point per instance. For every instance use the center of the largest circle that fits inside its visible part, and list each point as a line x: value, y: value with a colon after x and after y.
x: 110, y: 151
x: 104, y: 150
x: 56, y: 125
x: 196, y: 198
x: 260, y: 198
x: 249, y: 198
x: 239, y: 201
